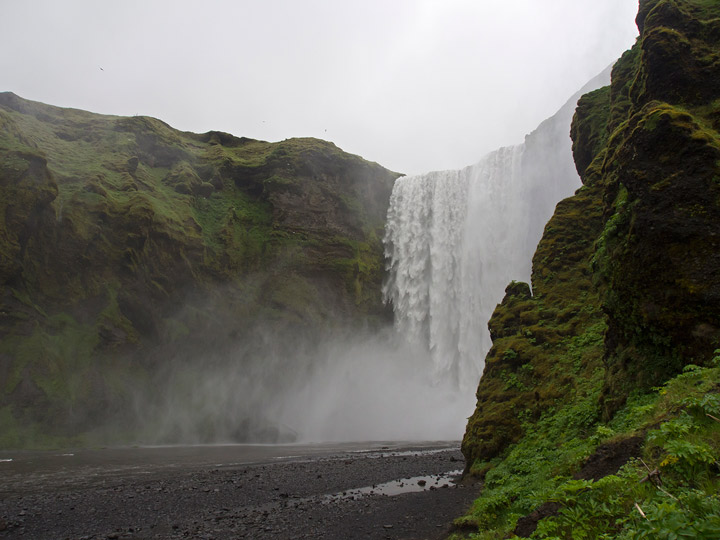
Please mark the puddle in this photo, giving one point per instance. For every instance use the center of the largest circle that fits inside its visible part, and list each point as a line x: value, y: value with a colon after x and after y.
x: 398, y: 487
x: 414, y: 484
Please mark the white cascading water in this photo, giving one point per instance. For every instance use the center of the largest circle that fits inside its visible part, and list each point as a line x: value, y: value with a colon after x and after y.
x: 455, y: 239
x: 449, y: 248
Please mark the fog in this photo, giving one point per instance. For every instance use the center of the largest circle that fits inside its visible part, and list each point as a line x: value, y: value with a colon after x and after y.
x: 350, y: 386
x: 415, y: 85
x: 377, y: 389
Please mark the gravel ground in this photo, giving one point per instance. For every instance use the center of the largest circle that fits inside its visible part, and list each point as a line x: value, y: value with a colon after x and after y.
x: 328, y: 494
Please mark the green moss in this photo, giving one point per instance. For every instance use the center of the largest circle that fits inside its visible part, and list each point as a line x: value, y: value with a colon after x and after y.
x: 665, y: 158
x: 544, y: 345
x: 589, y: 127
x: 112, y: 321
x: 57, y: 357
x: 297, y: 297
x: 623, y: 76
x: 17, y: 434
x: 235, y: 228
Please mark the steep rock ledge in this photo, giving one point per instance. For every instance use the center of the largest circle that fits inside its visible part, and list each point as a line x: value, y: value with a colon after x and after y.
x: 658, y: 255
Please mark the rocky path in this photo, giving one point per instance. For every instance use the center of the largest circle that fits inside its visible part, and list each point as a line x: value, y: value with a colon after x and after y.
x: 385, y: 493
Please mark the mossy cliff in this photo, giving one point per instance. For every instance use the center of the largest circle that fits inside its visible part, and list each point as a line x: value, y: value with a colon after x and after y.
x: 624, y: 301
x: 659, y: 255
x: 124, y: 241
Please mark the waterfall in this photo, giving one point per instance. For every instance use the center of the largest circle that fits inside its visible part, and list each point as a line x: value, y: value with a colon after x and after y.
x: 455, y: 239
x: 448, y: 247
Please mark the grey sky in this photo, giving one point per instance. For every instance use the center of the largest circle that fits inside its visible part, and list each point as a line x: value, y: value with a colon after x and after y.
x: 415, y: 85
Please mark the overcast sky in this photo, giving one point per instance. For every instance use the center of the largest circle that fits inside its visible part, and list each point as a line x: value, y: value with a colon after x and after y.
x: 415, y: 85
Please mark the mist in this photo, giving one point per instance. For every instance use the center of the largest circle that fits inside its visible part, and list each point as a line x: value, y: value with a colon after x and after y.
x: 377, y: 389
x: 351, y: 386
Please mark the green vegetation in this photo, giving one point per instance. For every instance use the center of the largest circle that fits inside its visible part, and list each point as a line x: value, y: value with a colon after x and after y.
x: 626, y: 310
x: 590, y: 135
x: 674, y: 482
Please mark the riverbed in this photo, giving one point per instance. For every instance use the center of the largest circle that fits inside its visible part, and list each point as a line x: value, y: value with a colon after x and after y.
x: 334, y: 491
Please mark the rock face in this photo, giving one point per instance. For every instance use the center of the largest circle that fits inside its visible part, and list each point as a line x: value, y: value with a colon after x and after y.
x: 123, y: 241
x: 627, y: 275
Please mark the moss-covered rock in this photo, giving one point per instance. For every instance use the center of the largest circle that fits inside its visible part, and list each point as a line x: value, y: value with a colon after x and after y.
x: 658, y: 254
x: 545, y: 345
x: 27, y: 189
x: 589, y: 128
x: 680, y: 52
x: 123, y: 241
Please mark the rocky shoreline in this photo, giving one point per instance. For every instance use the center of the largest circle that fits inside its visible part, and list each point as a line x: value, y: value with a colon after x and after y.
x: 332, y: 495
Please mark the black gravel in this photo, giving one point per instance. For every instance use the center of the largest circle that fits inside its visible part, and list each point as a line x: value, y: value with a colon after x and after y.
x: 290, y: 498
